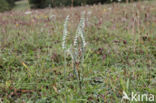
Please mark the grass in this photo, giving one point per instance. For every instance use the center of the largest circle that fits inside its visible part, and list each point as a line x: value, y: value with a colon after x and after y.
x: 21, y: 5
x: 120, y: 54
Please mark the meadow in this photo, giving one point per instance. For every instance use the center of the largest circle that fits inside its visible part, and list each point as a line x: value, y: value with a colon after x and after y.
x: 120, y: 54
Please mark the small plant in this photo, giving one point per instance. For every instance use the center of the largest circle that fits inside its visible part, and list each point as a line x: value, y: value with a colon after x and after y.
x: 77, y: 50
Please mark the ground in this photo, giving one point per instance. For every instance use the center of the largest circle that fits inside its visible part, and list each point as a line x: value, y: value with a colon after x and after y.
x: 120, y: 53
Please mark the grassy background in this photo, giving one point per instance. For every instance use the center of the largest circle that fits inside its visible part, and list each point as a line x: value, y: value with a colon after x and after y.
x: 21, y: 5
x: 120, y: 53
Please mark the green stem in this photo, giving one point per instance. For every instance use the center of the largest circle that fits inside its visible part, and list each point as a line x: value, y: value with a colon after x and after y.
x: 65, y: 65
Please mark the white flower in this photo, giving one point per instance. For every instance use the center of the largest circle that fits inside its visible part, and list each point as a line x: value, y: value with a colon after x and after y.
x: 89, y: 12
x: 80, y: 31
x: 27, y: 12
x: 65, y: 32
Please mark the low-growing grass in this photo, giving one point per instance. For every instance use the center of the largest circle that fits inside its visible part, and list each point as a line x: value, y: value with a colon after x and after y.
x: 120, y: 54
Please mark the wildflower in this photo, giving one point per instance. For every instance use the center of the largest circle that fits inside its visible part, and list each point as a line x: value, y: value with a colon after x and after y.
x: 89, y: 12
x: 80, y: 31
x: 104, y: 10
x: 45, y: 17
x: 65, y: 32
x: 27, y: 12
x: 76, y: 55
x: 52, y: 16
x: 17, y: 25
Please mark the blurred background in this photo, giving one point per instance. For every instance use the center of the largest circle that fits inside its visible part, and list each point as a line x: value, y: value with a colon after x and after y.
x: 6, y: 5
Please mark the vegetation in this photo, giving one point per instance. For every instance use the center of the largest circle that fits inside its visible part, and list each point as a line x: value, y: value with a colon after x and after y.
x: 11, y: 2
x: 3, y: 5
x: 6, y: 5
x: 58, y: 3
x: 120, y: 54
